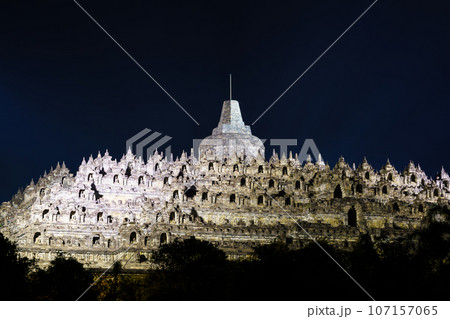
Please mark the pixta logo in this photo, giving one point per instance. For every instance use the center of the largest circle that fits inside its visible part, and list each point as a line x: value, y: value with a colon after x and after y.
x: 146, y: 143
x: 308, y: 147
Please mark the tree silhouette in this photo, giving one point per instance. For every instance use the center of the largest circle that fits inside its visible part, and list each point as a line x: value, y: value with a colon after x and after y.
x: 187, y: 270
x: 189, y: 254
x: 14, y: 270
x: 65, y: 279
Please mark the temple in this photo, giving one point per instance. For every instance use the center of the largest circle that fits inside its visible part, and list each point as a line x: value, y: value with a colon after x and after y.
x: 231, y: 196
x: 231, y: 136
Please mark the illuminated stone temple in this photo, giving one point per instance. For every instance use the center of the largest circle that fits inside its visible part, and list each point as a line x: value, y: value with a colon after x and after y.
x: 230, y: 195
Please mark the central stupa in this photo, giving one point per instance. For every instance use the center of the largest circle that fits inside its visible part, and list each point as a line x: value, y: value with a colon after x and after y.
x: 231, y: 137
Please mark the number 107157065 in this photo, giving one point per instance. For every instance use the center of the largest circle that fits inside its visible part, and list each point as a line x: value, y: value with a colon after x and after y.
x: 402, y: 310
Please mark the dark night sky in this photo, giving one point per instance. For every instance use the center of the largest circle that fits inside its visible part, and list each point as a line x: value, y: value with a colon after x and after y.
x: 66, y: 90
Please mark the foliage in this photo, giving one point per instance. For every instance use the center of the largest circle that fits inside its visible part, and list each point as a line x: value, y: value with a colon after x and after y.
x: 413, y: 268
x: 189, y: 255
x: 187, y: 270
x: 65, y: 279
x: 14, y: 270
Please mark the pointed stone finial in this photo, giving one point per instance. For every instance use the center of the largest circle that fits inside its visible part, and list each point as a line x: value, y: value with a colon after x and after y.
x: 32, y: 182
x: 58, y: 167
x: 290, y: 155
x: 83, y: 162
x: 99, y: 155
x: 320, y: 160
x: 365, y: 160
x: 443, y: 174
x: 308, y: 159
x: 275, y: 156
x: 231, y: 119
x: 64, y: 165
x: 232, y: 129
x: 192, y: 156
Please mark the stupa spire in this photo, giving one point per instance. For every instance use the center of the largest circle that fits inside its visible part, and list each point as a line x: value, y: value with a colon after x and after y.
x: 231, y: 120
x: 231, y: 89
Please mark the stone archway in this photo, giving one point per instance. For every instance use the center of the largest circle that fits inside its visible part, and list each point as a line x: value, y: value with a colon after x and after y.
x: 337, y: 192
x: 133, y: 238
x: 37, y: 238
x: 163, y: 239
x: 352, y: 217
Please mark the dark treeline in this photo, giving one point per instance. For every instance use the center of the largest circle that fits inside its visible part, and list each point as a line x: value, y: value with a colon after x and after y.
x: 412, y: 268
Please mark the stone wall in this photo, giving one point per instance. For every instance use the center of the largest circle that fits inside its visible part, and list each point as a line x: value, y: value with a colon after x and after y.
x: 111, y: 207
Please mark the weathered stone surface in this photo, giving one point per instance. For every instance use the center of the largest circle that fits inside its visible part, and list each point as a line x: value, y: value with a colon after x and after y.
x: 128, y: 208
x: 231, y: 137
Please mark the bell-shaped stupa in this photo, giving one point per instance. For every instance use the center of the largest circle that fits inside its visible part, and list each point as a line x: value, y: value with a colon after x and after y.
x: 231, y: 136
